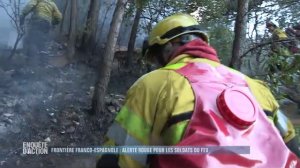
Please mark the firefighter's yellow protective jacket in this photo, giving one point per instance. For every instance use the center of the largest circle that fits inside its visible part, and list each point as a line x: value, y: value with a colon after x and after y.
x: 281, y: 48
x: 42, y: 9
x: 160, y: 95
x: 279, y: 34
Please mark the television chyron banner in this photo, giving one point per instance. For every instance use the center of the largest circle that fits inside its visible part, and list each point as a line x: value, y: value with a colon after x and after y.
x: 42, y: 148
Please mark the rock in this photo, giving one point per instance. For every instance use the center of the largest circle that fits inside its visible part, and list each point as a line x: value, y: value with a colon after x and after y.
x: 47, y: 139
x: 44, y: 52
x: 54, y: 120
x: 8, y: 121
x: 122, y: 97
x: 91, y: 91
x: 50, y: 97
x: 111, y: 109
x: 51, y: 114
x: 75, y: 122
x: 8, y: 114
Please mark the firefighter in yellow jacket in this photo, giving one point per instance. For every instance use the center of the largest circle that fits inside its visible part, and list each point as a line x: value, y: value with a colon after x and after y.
x: 45, y: 14
x: 280, y: 48
x: 158, y: 106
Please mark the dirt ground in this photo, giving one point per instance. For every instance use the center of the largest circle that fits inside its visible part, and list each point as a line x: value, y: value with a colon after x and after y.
x: 49, y: 101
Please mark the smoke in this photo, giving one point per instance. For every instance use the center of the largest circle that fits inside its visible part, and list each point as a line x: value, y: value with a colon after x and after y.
x: 8, y: 32
x: 5, y: 28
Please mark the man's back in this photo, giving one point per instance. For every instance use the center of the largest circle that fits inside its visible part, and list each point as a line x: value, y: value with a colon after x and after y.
x: 159, y: 106
x: 225, y: 115
x: 43, y: 9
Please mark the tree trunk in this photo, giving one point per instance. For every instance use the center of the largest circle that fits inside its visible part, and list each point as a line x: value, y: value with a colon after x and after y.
x: 89, y: 36
x: 240, y: 33
x: 61, y: 28
x: 13, y: 51
x: 133, y: 34
x: 72, y: 33
x: 99, y: 36
x: 105, y: 70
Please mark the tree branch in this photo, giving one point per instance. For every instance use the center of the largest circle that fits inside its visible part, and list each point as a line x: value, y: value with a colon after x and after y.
x: 262, y: 45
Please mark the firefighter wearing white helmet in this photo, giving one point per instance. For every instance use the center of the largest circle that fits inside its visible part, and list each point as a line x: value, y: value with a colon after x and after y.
x: 159, y: 106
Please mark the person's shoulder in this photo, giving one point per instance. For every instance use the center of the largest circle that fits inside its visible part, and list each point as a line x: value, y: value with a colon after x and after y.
x: 260, y: 87
x: 263, y: 94
x: 257, y: 82
x: 279, y: 31
x: 153, y: 78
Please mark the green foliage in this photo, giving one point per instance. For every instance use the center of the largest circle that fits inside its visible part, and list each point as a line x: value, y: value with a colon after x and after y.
x: 282, y: 72
x: 221, y: 38
x: 129, y: 11
x: 210, y: 9
x: 290, y: 10
x: 279, y: 70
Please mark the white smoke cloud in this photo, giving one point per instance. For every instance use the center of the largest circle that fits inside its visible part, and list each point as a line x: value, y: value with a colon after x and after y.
x: 8, y: 33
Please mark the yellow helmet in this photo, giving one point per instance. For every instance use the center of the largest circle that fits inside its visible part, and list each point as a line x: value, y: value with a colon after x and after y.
x: 174, y: 26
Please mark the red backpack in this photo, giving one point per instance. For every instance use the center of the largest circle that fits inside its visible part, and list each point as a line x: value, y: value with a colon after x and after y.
x: 226, y: 114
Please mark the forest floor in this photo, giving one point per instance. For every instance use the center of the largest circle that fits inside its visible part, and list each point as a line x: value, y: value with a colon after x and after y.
x: 49, y: 102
